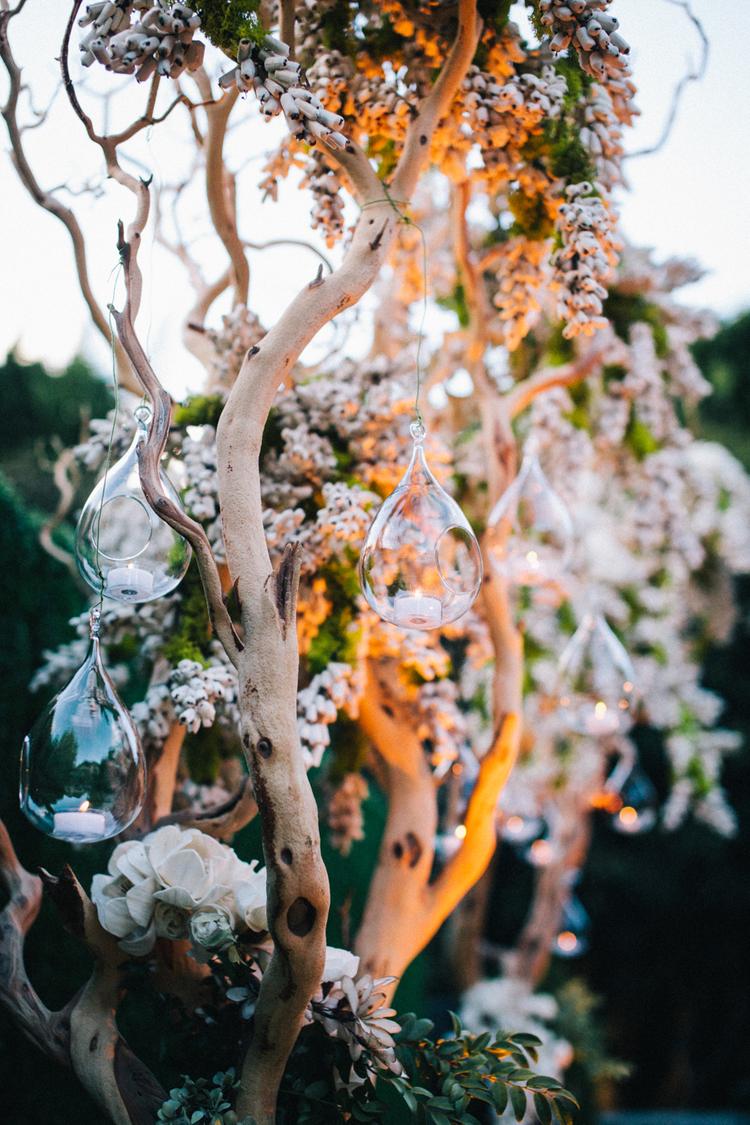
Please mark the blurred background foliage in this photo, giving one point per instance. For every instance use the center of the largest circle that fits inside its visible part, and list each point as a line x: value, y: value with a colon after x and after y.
x: 670, y: 912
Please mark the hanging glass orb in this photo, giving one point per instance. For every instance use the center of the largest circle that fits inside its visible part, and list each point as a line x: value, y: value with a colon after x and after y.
x: 420, y: 566
x: 530, y: 532
x: 571, y: 939
x: 123, y: 549
x: 636, y: 805
x: 596, y: 687
x: 83, y: 773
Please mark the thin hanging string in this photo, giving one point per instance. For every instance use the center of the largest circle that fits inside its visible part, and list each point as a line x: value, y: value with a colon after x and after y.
x: 408, y: 221
x: 115, y: 417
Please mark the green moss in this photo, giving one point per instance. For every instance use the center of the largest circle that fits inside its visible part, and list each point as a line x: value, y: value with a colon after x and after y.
x: 348, y: 750
x: 626, y: 309
x: 559, y: 348
x: 456, y: 302
x: 204, y: 754
x: 639, y: 439
x: 225, y: 22
x: 190, y: 638
x: 531, y: 216
x: 336, y: 640
x: 199, y: 410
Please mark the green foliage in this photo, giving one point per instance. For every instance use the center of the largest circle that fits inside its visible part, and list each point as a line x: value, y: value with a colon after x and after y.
x: 725, y: 362
x: 638, y: 437
x: 531, y: 216
x: 199, y: 410
x: 577, y: 1022
x: 625, y: 309
x: 335, y: 640
x: 199, y: 1100
x: 456, y: 302
x: 225, y: 22
x: 450, y: 1079
x: 190, y: 638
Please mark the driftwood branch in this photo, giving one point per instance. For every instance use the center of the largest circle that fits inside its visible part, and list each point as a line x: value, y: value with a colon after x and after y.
x: 150, y: 453
x: 49, y: 1031
x: 121, y: 1084
x: 224, y: 820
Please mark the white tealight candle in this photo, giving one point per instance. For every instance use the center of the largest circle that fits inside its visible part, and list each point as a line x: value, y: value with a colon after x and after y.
x: 603, y: 721
x: 417, y: 610
x: 80, y: 824
x: 129, y: 582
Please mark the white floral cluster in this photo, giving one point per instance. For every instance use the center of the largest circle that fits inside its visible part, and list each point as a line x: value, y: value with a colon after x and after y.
x: 355, y: 1012
x: 328, y: 205
x: 141, y: 37
x: 602, y: 136
x: 335, y: 689
x: 199, y: 460
x: 521, y: 275
x: 345, y: 819
x: 240, y: 329
x: 442, y: 723
x: 195, y: 690
x: 510, y: 1002
x: 587, y: 26
x: 92, y: 452
x: 585, y: 261
x: 502, y: 116
x: 278, y: 83
x: 179, y: 883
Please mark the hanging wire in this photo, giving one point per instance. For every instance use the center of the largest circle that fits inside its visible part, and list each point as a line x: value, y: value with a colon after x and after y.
x: 115, y: 417
x: 408, y: 221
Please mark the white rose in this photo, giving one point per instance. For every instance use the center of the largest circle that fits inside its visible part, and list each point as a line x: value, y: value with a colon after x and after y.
x: 250, y: 897
x: 339, y: 963
x: 192, y: 868
x: 170, y: 921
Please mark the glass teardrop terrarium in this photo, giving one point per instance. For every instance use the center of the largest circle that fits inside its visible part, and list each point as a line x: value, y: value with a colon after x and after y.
x: 83, y: 773
x: 123, y: 549
x: 420, y: 567
x: 530, y: 532
x: 596, y: 687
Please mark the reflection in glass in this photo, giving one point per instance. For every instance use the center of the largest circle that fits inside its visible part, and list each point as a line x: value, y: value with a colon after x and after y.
x: 123, y: 549
x: 83, y: 774
x: 420, y: 566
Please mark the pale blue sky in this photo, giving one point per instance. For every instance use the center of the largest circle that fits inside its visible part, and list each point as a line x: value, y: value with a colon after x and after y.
x: 689, y: 199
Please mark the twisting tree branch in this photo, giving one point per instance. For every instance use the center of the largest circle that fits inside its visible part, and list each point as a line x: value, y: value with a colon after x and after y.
x: 151, y: 450
x: 122, y: 1085
x: 49, y: 1031
x: 47, y: 199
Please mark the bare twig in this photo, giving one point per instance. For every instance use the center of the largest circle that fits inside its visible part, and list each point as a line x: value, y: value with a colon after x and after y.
x: 694, y: 74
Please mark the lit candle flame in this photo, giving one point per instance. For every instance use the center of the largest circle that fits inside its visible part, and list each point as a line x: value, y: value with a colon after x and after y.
x: 84, y: 806
x: 628, y: 816
x: 567, y: 941
x: 459, y: 831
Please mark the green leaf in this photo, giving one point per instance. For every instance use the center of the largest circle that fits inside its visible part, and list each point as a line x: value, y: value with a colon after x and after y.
x: 500, y: 1097
x: 518, y: 1102
x: 542, y: 1107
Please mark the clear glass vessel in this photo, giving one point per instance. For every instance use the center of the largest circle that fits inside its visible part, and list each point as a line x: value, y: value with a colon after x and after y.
x: 123, y: 549
x: 83, y: 773
x: 529, y: 531
x: 420, y: 566
x: 596, y: 681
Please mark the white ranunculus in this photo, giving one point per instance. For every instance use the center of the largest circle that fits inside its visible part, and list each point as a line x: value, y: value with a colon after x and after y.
x: 339, y: 963
x: 170, y: 921
x: 250, y: 898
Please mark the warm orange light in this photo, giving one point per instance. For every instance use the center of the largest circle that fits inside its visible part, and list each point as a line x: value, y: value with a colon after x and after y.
x: 610, y: 802
x: 628, y: 816
x: 84, y: 806
x: 459, y: 831
x: 567, y: 941
x: 514, y: 825
x: 541, y: 852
